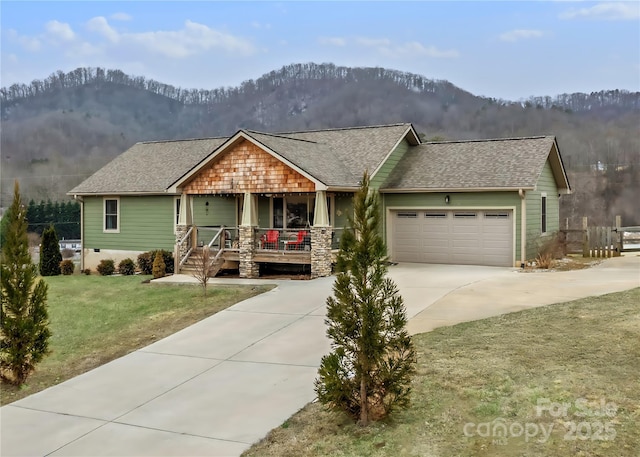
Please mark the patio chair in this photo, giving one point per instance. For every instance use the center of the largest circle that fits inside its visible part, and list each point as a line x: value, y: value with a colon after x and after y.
x: 300, y: 243
x: 270, y: 240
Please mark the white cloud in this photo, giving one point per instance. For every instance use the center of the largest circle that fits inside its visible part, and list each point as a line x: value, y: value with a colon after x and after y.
x: 418, y: 49
x: 610, y: 11
x: 100, y: 25
x: 84, y: 49
x: 332, y: 41
x: 29, y: 43
x: 59, y: 31
x: 120, y: 17
x: 521, y: 34
x: 373, y: 42
x: 415, y: 48
x: 260, y: 26
x: 193, y: 39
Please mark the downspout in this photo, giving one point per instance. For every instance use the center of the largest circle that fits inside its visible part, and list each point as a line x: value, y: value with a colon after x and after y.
x: 81, y: 200
x: 523, y: 227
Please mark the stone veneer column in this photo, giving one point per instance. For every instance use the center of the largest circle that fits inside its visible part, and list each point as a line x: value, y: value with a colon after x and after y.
x: 247, y: 243
x: 181, y: 251
x: 320, y: 252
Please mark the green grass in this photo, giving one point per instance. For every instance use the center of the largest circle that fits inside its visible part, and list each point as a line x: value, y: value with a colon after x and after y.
x: 581, y: 353
x: 95, y: 319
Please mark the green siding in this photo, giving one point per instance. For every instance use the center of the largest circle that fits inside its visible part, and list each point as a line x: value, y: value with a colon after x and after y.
x: 383, y: 173
x: 146, y: 223
x: 535, y: 239
x: 344, y: 207
x: 221, y: 210
x: 466, y: 200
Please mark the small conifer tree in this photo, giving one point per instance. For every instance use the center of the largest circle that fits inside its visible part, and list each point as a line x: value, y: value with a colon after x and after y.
x: 159, y: 268
x: 24, y: 336
x: 369, y: 370
x: 50, y: 256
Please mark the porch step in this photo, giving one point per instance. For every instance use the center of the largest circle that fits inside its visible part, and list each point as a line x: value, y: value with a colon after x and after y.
x: 194, y: 263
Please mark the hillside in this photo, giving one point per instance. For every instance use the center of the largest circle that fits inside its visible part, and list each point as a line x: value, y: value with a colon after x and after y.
x: 59, y: 130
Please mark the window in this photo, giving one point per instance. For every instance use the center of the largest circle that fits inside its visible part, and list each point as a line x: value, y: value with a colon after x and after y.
x: 295, y: 211
x: 464, y: 215
x: 433, y: 215
x: 111, y: 214
x: 496, y: 215
x: 176, y: 213
x: 543, y: 213
x: 407, y: 215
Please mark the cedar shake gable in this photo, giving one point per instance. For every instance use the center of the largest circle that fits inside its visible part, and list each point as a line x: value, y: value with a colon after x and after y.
x: 245, y: 167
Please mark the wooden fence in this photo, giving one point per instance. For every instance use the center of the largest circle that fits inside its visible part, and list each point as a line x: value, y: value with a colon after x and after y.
x: 600, y: 242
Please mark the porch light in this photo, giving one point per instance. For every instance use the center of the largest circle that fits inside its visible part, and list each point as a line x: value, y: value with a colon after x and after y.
x: 447, y: 199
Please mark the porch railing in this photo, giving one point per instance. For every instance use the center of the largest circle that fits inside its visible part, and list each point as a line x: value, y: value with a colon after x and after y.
x: 218, y: 237
x: 184, y: 245
x: 276, y: 239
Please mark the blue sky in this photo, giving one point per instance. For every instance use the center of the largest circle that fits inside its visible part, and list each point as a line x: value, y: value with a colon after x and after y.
x: 502, y: 49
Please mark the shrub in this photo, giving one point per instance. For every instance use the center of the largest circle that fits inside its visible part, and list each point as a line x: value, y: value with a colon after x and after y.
x: 127, y: 267
x: 159, y: 268
x: 106, y: 267
x: 67, y: 267
x: 50, y: 256
x: 146, y: 259
x: 145, y: 263
x: 87, y: 271
x: 544, y: 261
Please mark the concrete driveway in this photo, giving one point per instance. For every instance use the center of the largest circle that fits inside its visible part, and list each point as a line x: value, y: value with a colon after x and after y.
x: 223, y: 383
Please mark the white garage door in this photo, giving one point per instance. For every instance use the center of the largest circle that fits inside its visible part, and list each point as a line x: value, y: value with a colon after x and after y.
x: 462, y: 237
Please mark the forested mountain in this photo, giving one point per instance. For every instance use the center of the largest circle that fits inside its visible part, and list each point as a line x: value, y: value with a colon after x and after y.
x: 57, y: 131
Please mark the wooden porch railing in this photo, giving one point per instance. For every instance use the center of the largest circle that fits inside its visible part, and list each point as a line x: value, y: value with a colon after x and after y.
x: 184, y: 244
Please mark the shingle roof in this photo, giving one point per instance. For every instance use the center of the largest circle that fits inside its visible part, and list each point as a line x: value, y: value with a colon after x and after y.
x: 358, y: 149
x: 480, y: 164
x: 317, y: 159
x: 149, y: 167
x: 335, y: 157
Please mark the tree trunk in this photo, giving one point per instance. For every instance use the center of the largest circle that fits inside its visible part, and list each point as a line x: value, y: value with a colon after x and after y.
x: 364, y: 403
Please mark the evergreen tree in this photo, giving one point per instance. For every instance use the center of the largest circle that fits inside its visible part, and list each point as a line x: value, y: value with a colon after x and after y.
x: 50, y: 256
x: 368, y: 372
x: 23, y: 312
x: 159, y: 267
x: 4, y: 225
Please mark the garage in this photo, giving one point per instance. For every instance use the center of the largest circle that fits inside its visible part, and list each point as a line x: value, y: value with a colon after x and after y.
x: 460, y: 237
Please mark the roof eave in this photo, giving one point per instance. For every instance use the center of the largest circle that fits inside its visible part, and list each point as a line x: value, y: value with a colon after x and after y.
x: 240, y: 136
x: 412, y: 138
x: 558, y: 169
x: 125, y: 193
x: 414, y: 190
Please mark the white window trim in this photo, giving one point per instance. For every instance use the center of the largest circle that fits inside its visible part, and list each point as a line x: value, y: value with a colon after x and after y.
x: 544, y: 216
x: 104, y: 215
x: 175, y: 213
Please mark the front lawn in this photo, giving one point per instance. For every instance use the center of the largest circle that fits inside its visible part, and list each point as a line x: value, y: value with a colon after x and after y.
x: 561, y: 380
x: 95, y: 319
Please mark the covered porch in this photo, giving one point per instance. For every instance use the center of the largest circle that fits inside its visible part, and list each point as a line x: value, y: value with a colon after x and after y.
x: 252, y: 205
x: 293, y: 229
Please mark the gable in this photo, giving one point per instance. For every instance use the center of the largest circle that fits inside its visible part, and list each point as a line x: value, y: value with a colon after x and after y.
x: 245, y: 167
x: 474, y: 165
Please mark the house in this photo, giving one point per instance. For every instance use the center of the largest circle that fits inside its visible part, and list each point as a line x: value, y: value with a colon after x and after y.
x: 285, y: 198
x: 74, y: 245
